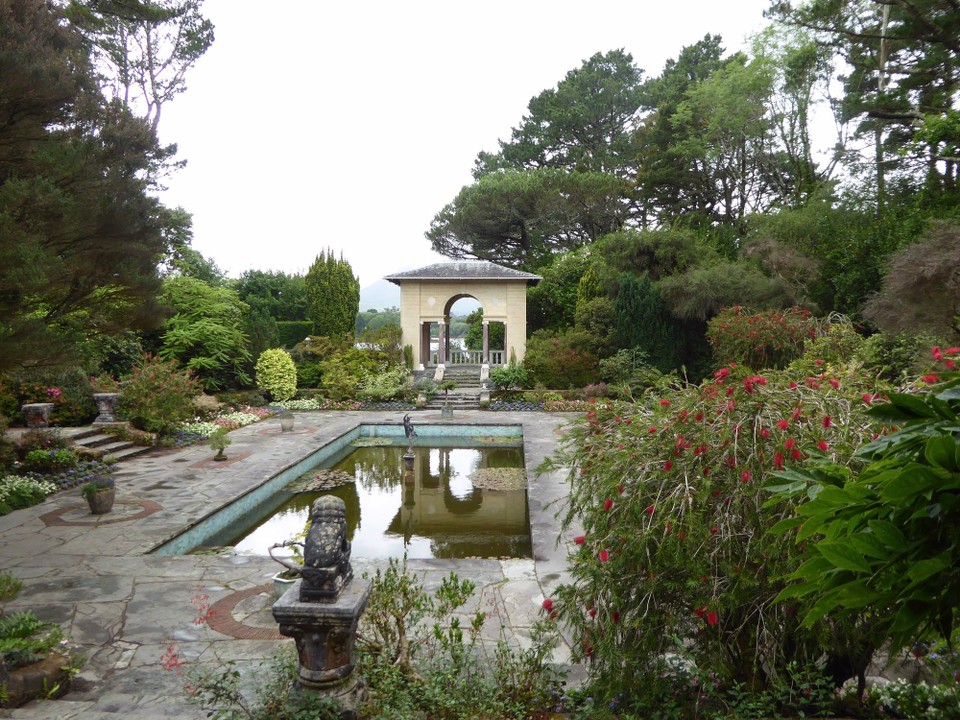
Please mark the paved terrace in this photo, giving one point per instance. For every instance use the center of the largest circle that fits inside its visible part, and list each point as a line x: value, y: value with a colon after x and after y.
x: 123, y: 606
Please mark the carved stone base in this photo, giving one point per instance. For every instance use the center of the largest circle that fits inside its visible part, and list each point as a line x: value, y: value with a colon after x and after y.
x: 325, y: 634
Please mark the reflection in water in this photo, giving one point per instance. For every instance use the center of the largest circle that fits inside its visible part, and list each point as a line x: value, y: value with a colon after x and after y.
x: 432, y: 511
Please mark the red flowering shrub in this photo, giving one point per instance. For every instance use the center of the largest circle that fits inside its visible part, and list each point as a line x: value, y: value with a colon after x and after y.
x: 768, y: 339
x: 676, y: 544
x: 158, y: 395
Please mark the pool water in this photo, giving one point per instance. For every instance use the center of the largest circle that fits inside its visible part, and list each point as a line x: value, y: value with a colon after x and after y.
x: 457, y: 502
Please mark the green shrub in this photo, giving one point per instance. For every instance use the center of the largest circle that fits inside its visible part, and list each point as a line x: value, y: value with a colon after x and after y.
x: 510, y: 377
x: 276, y: 374
x: 19, y: 492
x: 383, y: 385
x: 49, y: 461
x: 158, y: 395
x: 253, y: 398
x: 25, y: 639
x: 675, y: 520
x: 292, y: 332
x: 895, y: 358
x: 768, y: 339
x: 561, y: 360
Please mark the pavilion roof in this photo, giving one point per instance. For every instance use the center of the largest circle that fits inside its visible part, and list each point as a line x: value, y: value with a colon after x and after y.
x: 464, y: 270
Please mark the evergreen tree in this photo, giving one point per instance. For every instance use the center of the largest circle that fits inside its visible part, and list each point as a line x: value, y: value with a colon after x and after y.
x: 81, y: 236
x: 333, y: 295
x: 643, y: 322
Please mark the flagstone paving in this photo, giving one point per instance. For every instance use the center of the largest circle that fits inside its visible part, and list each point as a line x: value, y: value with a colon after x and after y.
x: 124, y: 607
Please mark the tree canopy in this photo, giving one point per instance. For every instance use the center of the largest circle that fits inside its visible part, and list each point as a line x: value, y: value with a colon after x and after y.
x: 81, y: 236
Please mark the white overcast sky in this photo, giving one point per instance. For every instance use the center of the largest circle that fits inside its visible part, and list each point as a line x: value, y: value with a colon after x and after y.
x: 312, y: 123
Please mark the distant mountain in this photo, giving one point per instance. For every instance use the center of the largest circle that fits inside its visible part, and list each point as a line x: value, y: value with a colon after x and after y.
x: 380, y: 295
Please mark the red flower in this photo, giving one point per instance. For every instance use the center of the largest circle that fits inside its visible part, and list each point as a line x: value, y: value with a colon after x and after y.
x: 651, y: 429
x: 867, y: 398
x: 789, y: 444
x: 796, y: 414
x: 714, y: 530
x: 616, y: 617
x: 950, y: 364
x: 621, y: 489
x: 664, y: 403
x: 607, y: 504
x: 712, y: 618
x: 930, y: 379
x: 580, y: 539
x: 700, y: 611
x: 547, y: 604
x: 592, y: 612
x: 668, y: 465
x: 796, y: 455
x: 604, y: 556
x: 827, y: 421
x: 764, y: 433
x: 834, y: 383
x: 936, y: 352
x: 778, y: 461
x: 746, y: 476
x: 823, y: 445
x: 793, y: 386
x: 952, y: 351
x: 649, y: 509
x: 721, y: 373
x: 783, y: 424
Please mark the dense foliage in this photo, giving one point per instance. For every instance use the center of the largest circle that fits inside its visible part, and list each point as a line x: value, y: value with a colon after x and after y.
x: 82, y: 233
x: 674, y: 544
x: 883, y: 541
x: 333, y: 295
x: 277, y: 374
x: 158, y: 395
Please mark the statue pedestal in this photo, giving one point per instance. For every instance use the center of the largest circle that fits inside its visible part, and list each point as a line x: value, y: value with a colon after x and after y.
x: 325, y: 633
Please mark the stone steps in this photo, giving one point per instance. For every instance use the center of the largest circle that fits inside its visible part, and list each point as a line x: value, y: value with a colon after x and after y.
x: 108, y: 446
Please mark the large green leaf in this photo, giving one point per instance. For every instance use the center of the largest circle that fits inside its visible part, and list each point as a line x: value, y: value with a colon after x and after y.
x: 901, y: 408
x: 941, y: 451
x: 870, y: 545
x: 924, y: 569
x: 913, y: 481
x: 843, y: 556
x: 889, y: 534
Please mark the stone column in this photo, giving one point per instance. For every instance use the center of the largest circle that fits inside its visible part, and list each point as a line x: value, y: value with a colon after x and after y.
x: 485, y: 358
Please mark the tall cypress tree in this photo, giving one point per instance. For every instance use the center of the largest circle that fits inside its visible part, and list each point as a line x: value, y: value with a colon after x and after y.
x: 333, y: 295
x: 642, y: 321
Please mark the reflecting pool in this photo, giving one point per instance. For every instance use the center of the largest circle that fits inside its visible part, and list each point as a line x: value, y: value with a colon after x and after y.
x: 456, y: 502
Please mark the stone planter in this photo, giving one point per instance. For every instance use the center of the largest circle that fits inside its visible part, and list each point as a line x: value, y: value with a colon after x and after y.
x: 101, y: 502
x: 37, y: 415
x: 107, y: 405
x: 286, y: 421
x: 36, y: 680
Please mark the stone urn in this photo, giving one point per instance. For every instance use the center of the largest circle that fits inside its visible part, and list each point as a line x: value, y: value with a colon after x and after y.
x: 37, y: 415
x: 107, y: 405
x: 100, y: 500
